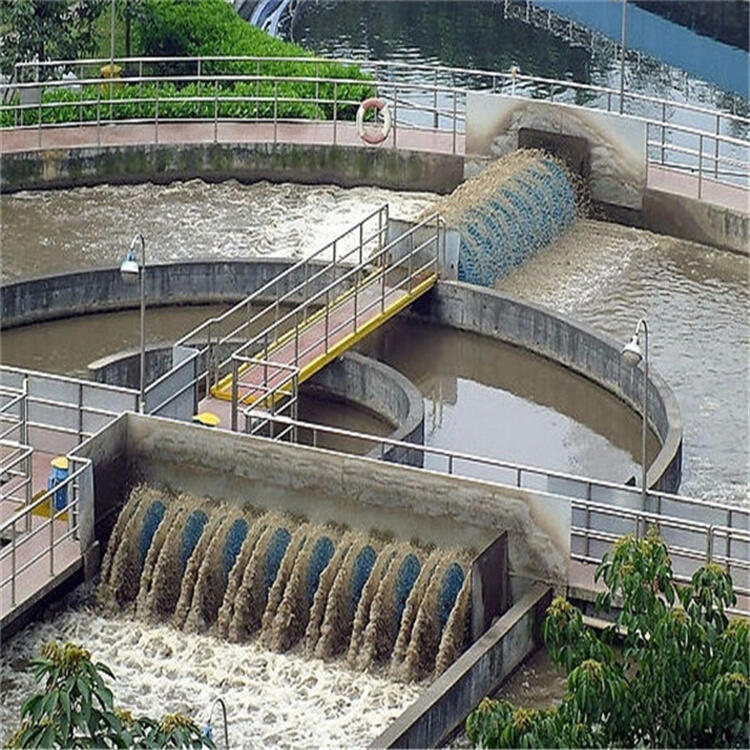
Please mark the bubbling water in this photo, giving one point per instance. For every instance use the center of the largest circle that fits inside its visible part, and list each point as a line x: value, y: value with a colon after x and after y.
x: 508, y: 212
x: 238, y: 573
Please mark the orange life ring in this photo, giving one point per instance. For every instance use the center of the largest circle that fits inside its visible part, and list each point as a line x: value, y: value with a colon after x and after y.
x: 379, y: 135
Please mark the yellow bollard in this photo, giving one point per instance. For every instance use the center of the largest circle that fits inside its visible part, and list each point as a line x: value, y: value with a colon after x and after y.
x: 207, y: 419
x: 112, y: 71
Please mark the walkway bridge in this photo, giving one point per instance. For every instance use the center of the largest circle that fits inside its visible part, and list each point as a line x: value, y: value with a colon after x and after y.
x: 259, y: 351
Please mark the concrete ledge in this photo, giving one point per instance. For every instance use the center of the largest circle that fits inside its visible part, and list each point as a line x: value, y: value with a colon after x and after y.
x: 479, y: 671
x: 248, y: 162
x: 365, y: 382
x: 192, y: 282
x: 571, y: 344
x: 696, y: 220
x: 385, y: 392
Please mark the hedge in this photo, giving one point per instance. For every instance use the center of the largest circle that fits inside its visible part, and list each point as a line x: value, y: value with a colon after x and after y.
x: 183, y: 28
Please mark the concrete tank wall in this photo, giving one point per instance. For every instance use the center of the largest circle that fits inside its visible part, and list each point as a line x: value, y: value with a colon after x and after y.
x: 247, y: 162
x: 97, y: 290
x: 571, y: 344
x: 325, y: 486
x: 354, y: 378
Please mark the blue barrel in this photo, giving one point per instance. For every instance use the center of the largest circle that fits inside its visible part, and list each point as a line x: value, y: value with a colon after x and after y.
x: 59, y: 474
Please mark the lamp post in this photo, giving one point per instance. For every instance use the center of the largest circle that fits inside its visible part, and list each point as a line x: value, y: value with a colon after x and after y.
x: 131, y: 272
x: 632, y: 355
x: 622, y: 55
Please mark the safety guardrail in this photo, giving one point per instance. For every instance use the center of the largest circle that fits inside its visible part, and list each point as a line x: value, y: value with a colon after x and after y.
x: 51, y: 414
x: 709, y: 143
x: 284, y: 289
x: 39, y: 529
x: 349, y: 304
x: 696, y: 531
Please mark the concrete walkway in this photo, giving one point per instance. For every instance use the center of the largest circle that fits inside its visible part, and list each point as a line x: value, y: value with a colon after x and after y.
x: 317, y: 134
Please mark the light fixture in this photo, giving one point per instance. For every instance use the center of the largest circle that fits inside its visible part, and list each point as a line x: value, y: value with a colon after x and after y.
x: 132, y: 272
x: 632, y: 356
x: 129, y: 268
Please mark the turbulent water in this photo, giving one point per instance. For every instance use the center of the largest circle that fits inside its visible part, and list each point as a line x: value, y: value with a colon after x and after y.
x: 505, y: 214
x: 313, y: 635
x: 273, y: 699
x: 241, y: 573
x: 62, y: 230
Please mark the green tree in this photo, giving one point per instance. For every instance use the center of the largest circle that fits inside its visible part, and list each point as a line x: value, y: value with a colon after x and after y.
x: 680, y: 680
x: 75, y: 709
x: 45, y: 30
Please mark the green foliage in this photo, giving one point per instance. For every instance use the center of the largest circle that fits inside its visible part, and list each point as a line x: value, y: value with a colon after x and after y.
x: 76, y: 709
x: 204, y: 29
x: 681, y: 679
x: 211, y: 28
x: 44, y: 30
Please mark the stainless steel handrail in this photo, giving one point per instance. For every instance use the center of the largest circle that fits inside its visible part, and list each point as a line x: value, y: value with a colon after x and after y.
x: 713, y: 139
x: 454, y: 456
x: 642, y: 517
x: 389, y: 65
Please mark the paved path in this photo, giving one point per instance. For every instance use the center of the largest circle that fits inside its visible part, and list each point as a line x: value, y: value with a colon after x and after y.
x: 324, y: 337
x: 317, y: 133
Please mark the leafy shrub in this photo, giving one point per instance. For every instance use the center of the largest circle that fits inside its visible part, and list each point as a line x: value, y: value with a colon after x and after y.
x: 209, y: 28
x: 682, y: 678
x: 75, y: 709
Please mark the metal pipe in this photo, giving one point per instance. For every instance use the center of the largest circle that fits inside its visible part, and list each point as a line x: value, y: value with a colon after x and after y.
x: 622, y: 56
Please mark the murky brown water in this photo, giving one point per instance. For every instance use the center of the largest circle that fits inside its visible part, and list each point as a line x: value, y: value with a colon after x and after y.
x: 52, y: 231
x: 696, y: 300
x: 67, y: 346
x: 491, y: 399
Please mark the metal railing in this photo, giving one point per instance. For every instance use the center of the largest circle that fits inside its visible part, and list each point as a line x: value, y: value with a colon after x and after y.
x: 51, y: 414
x: 695, y: 530
x: 710, y: 143
x: 355, y: 298
x: 234, y: 326
x: 364, y: 275
x: 277, y: 393
x: 39, y: 529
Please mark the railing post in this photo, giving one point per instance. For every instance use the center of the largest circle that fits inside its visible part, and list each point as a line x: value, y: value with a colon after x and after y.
x: 455, y: 117
x: 257, y: 90
x: 450, y: 464
x: 716, y: 147
x: 335, y: 109
x: 326, y: 319
x: 663, y: 129
x: 216, y: 111
x: 395, y: 115
x: 13, y: 563
x: 39, y: 121
x: 700, y: 166
x: 709, y: 543
x: 275, y: 111
x: 99, y: 115
x: 356, y: 292
x: 609, y: 101
x: 235, y: 394
x: 436, y: 117
x: 317, y: 88
x: 80, y: 413
x: 52, y: 535
x: 140, y: 88
x: 588, y: 518
x: 156, y: 112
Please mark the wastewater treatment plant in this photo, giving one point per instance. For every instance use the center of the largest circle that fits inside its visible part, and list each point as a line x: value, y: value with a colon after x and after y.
x: 347, y: 349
